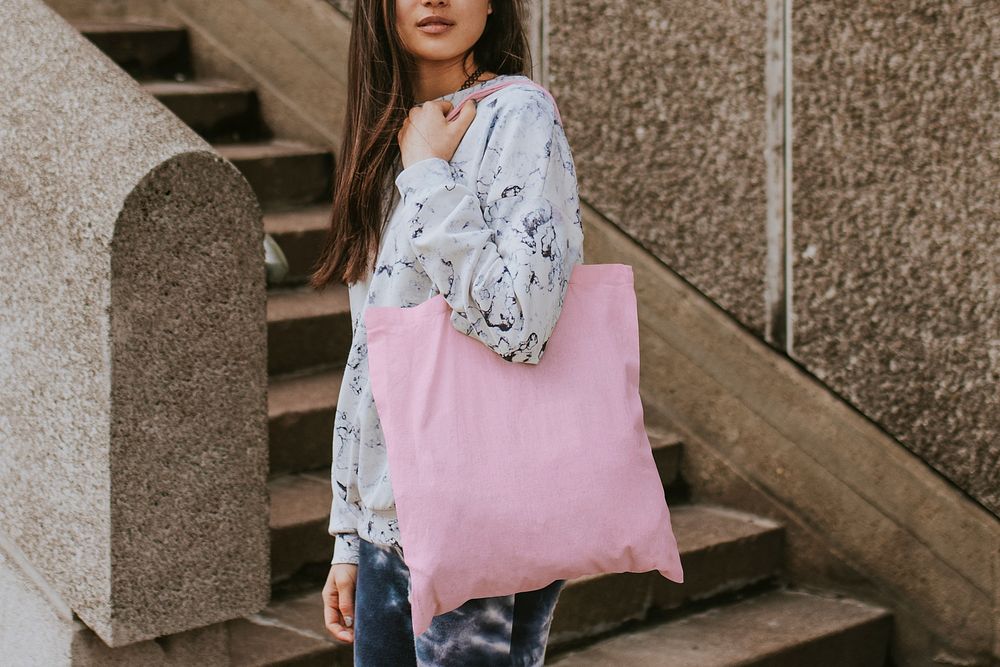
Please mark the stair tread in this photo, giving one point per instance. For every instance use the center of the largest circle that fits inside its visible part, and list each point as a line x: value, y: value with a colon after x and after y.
x: 299, y: 498
x: 168, y: 87
x: 305, y: 219
x: 287, y: 630
x: 271, y: 148
x: 94, y: 26
x: 737, y: 633
x: 699, y: 526
x: 303, y: 393
x: 659, y: 436
x: 296, y: 304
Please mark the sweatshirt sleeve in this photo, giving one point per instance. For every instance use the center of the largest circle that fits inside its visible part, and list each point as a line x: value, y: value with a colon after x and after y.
x: 345, y: 549
x: 345, y: 510
x: 501, y: 254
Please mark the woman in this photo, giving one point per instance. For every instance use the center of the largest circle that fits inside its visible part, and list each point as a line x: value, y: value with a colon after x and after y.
x: 483, y: 209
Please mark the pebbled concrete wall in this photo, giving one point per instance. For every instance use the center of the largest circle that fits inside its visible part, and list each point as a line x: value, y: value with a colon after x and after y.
x: 37, y: 628
x: 897, y: 222
x: 133, y: 412
x: 664, y: 109
x: 895, y: 282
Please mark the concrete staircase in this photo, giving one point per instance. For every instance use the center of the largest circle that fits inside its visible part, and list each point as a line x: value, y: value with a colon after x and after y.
x: 735, y: 608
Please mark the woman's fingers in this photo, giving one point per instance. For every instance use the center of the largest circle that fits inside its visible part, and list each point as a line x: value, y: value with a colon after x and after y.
x: 345, y: 588
x: 331, y: 615
x: 338, y: 589
x: 426, y: 132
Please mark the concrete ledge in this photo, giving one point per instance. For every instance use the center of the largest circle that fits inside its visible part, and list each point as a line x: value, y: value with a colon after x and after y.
x: 133, y: 431
x: 38, y: 628
x: 863, y: 514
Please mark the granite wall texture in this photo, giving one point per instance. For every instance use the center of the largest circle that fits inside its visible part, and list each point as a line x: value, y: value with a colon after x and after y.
x: 895, y: 166
x: 664, y: 105
x: 897, y: 222
x: 133, y: 346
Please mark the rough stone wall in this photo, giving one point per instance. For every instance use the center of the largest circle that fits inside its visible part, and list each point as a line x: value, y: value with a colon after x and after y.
x: 895, y: 115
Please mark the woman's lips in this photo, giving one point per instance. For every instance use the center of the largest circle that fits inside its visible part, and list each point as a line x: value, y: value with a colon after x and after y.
x: 434, y: 28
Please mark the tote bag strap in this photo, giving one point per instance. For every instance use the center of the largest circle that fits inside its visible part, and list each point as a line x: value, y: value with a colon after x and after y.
x: 483, y: 92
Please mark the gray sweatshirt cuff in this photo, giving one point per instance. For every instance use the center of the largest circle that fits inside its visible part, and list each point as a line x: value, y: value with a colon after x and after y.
x: 345, y: 548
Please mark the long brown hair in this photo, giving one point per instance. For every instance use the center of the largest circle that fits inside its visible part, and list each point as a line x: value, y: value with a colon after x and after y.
x: 380, y: 95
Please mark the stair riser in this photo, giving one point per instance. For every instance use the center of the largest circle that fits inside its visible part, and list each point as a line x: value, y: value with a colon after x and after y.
x: 295, y: 546
x: 302, y: 250
x: 864, y: 645
x: 219, y: 117
x: 301, y: 442
x: 153, y: 54
x: 594, y: 606
x: 289, y: 181
x: 668, y: 463
x: 720, y: 570
x: 299, y: 344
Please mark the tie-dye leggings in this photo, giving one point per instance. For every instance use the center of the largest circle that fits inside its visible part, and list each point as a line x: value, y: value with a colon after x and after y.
x: 508, y: 630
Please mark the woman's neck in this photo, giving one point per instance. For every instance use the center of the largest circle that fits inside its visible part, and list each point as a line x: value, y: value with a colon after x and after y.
x: 434, y: 80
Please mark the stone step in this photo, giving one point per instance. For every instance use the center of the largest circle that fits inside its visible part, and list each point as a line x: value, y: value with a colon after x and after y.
x: 726, y: 550
x: 722, y: 551
x: 218, y: 110
x: 777, y: 629
x: 301, y: 233
x: 739, y: 549
x: 146, y: 49
x: 285, y: 174
x: 667, y: 449
x: 300, y: 509
x: 300, y: 412
x: 307, y: 328
x: 289, y: 633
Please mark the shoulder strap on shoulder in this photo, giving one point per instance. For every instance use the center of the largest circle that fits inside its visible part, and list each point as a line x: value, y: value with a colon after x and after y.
x: 483, y: 92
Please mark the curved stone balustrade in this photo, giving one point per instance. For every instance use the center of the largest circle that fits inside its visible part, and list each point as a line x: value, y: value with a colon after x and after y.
x: 133, y: 384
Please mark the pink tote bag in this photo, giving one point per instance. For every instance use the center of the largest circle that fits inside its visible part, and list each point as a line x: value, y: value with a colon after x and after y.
x: 508, y: 476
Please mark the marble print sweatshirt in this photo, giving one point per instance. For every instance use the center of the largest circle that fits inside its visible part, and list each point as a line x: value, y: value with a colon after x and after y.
x: 496, y: 230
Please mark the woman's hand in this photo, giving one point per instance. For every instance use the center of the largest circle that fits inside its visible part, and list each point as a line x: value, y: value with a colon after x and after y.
x: 426, y: 132
x: 338, y: 601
